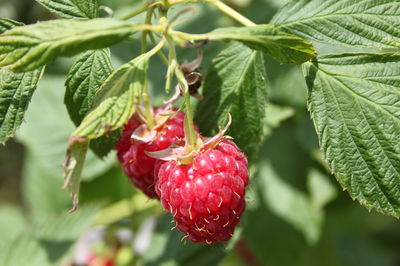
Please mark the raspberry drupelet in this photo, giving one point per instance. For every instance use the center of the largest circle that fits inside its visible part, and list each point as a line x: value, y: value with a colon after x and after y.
x: 206, y: 197
x: 131, y: 153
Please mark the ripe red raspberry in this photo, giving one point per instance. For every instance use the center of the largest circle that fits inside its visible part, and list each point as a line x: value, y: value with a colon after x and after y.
x: 95, y: 260
x: 206, y: 197
x: 131, y: 153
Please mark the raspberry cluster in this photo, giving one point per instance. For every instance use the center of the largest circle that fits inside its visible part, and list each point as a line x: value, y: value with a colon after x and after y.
x: 206, y: 196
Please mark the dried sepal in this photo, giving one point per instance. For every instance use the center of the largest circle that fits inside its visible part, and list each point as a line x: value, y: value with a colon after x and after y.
x: 185, y: 155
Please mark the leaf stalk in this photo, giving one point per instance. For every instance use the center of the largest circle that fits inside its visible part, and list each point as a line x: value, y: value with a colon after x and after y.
x: 136, y: 12
x: 232, y: 13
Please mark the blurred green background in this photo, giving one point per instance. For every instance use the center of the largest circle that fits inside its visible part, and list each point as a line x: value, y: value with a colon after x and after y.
x: 297, y: 214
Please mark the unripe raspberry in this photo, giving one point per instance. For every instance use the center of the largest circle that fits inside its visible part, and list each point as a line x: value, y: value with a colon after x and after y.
x: 206, y: 197
x: 131, y: 153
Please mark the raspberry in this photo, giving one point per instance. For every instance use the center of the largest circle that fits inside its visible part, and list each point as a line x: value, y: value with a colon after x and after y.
x: 206, y: 197
x: 94, y: 260
x: 131, y: 153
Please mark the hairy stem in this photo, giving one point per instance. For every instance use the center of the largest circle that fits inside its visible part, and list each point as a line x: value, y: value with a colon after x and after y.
x: 188, y: 36
x: 220, y: 5
x: 216, y: 3
x: 172, y: 58
x: 191, y: 138
x: 146, y: 93
x: 145, y: 32
x: 160, y: 53
x: 156, y: 28
x: 190, y: 133
x: 135, y: 12
x: 232, y: 13
x: 156, y: 48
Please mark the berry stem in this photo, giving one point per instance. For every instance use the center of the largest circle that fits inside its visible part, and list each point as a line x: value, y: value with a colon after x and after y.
x: 147, y: 21
x: 146, y: 93
x: 136, y: 12
x: 221, y: 6
x: 156, y: 48
x: 160, y: 53
x: 156, y: 28
x: 147, y: 32
x: 216, y: 3
x: 147, y: 105
x: 232, y: 13
x: 172, y: 59
x: 190, y: 133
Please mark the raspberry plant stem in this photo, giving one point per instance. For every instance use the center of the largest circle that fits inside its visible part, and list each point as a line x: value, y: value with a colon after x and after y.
x: 191, y: 138
x: 179, y: 35
x: 149, y: 14
x: 160, y: 53
x: 156, y: 28
x: 216, y: 3
x: 221, y: 6
x: 232, y: 13
x: 136, y: 12
x: 146, y: 94
x: 172, y: 58
x: 190, y: 133
x: 156, y: 48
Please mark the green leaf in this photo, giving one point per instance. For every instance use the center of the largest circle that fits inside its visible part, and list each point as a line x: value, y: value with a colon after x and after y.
x: 304, y: 212
x: 15, y: 93
x: 354, y: 100
x: 16, y: 90
x: 6, y: 24
x: 111, y: 187
x: 48, y: 128
x: 21, y: 250
x: 72, y: 8
x: 47, y: 244
x: 39, y: 185
x: 113, y: 105
x: 166, y: 248
x: 73, y: 166
x: 236, y: 84
x: 321, y: 190
x: 68, y: 226
x: 287, y: 85
x: 286, y: 48
x: 355, y: 23
x: 29, y: 47
x: 114, y: 102
x: 275, y: 115
x: 12, y: 223
x: 87, y: 74
x: 138, y: 206
x: 103, y: 145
